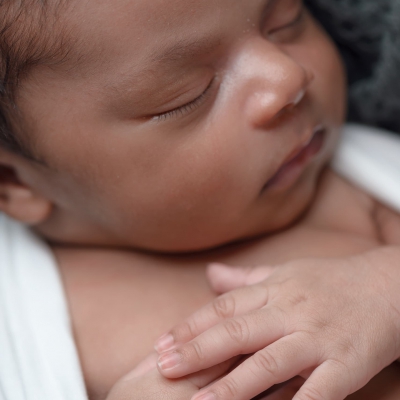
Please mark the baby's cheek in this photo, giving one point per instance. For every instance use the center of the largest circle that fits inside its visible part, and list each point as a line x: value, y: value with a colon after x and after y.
x: 330, y: 83
x: 207, y: 179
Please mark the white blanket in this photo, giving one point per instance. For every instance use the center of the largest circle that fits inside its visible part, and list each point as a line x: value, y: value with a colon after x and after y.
x: 38, y: 358
x: 370, y: 159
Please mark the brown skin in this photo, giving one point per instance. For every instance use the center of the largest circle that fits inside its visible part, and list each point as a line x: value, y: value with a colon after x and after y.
x: 117, y: 177
x: 122, y: 301
x: 118, y: 174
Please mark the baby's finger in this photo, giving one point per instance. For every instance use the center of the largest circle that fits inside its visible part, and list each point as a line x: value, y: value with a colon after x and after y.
x: 330, y: 381
x: 229, y: 305
x: 224, y: 278
x: 235, y: 336
x: 275, y: 364
x: 207, y: 376
x: 152, y: 385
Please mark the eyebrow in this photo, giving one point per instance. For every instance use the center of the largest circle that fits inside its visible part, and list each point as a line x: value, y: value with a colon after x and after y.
x: 179, y: 51
x: 185, y: 49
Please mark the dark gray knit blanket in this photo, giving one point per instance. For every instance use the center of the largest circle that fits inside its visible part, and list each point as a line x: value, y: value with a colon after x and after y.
x: 368, y: 35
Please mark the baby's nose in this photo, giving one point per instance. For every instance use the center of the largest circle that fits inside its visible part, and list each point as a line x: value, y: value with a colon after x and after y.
x: 276, y: 84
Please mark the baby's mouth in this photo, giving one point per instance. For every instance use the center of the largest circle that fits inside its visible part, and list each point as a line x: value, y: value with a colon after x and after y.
x: 291, y: 170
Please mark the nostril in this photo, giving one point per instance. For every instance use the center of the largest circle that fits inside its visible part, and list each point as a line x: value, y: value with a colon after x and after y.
x: 288, y: 109
x: 285, y: 110
x: 292, y: 104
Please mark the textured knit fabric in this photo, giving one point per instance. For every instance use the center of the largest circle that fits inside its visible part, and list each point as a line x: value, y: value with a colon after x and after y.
x: 368, y: 35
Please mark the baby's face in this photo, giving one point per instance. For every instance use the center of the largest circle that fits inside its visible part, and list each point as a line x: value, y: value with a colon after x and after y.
x: 185, y: 124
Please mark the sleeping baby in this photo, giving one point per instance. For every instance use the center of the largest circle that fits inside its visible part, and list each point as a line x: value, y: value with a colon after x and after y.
x: 146, y: 139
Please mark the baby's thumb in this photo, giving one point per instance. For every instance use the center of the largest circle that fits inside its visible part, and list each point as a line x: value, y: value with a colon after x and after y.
x: 147, y: 365
x: 224, y: 278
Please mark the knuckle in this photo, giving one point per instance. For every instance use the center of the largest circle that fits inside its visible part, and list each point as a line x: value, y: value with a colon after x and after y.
x: 342, y: 369
x: 317, y: 325
x: 195, y: 352
x: 347, y: 349
x: 297, y: 298
x: 224, y: 306
x: 309, y: 392
x: 227, y: 389
x: 238, y: 331
x: 265, y: 361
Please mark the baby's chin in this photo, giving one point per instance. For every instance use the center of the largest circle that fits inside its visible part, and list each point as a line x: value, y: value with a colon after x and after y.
x: 293, y: 205
x: 240, y: 234
x: 264, y: 221
x: 251, y: 227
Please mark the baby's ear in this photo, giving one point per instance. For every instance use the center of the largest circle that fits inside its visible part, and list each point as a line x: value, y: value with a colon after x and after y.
x: 19, y: 201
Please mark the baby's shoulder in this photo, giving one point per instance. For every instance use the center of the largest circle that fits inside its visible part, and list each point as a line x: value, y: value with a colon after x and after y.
x: 340, y: 206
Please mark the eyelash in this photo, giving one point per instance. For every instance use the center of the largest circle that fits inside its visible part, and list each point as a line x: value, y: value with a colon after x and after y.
x: 186, y: 108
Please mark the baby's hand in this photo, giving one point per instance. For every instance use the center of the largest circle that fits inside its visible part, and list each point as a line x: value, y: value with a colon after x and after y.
x: 146, y: 383
x: 335, y: 322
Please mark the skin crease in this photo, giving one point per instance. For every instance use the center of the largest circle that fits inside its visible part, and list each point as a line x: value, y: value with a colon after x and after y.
x: 116, y: 177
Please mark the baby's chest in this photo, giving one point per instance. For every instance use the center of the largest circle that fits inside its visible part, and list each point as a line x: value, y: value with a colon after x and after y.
x: 121, y: 304
x: 120, y: 308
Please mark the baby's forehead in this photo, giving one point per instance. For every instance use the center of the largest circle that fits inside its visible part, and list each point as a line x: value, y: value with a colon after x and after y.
x: 148, y: 32
x: 135, y: 39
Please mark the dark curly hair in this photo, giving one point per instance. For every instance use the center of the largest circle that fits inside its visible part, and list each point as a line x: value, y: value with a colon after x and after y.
x: 28, y: 38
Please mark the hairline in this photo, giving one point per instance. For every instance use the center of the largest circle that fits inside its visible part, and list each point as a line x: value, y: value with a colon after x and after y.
x: 34, y: 45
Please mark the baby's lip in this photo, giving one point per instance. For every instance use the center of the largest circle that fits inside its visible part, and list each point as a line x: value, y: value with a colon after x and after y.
x: 293, y: 154
x: 300, y: 155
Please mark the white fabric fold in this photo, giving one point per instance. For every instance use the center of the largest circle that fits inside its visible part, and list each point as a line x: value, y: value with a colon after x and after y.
x: 370, y: 159
x: 38, y: 358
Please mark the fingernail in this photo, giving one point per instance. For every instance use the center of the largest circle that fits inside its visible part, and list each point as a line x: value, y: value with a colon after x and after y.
x: 205, y: 396
x: 166, y: 342
x: 169, y: 360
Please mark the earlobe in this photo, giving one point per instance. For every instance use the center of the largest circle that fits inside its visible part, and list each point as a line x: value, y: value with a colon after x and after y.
x: 20, y: 203
x: 18, y: 200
